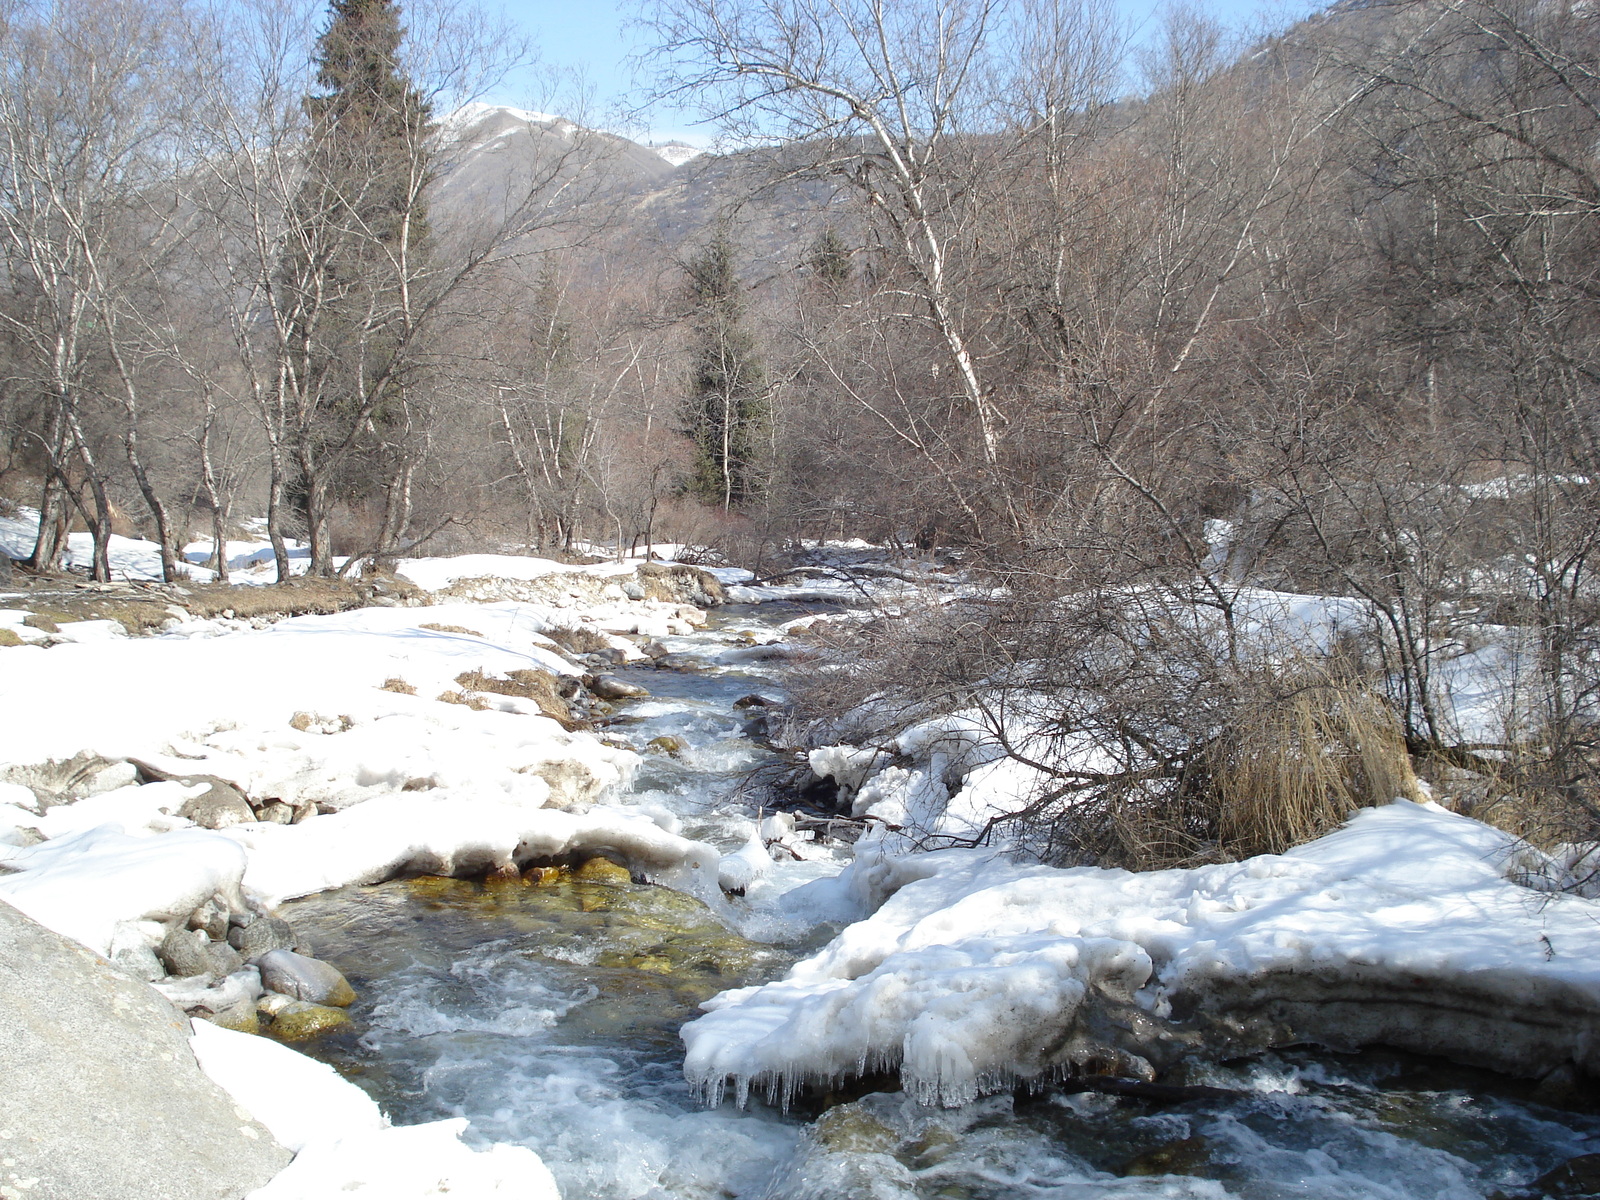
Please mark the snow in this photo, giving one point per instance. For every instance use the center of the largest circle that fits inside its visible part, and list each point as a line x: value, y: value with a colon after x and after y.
x: 298, y: 1099
x: 411, y: 1162
x: 299, y: 712
x: 972, y: 972
x: 456, y: 834
x: 677, y: 153
x: 91, y: 884
x: 208, y: 690
x: 437, y: 574
x: 344, y: 1146
x: 139, y: 560
x: 471, y: 113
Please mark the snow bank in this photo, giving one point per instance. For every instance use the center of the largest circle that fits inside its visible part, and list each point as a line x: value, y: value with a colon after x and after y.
x: 297, y: 1098
x: 343, y: 1144
x: 411, y: 1162
x: 455, y: 835
x: 92, y: 885
x: 437, y: 574
x: 972, y: 973
x: 223, y: 702
x: 300, y: 713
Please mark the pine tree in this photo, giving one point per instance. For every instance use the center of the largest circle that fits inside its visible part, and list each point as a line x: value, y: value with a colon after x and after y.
x: 728, y: 409
x: 828, y: 260
x: 360, y: 246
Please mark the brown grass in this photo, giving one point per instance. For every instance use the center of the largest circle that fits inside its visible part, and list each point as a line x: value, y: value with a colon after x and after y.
x: 579, y: 639
x: 437, y: 628
x: 475, y: 703
x: 395, y: 684
x: 299, y: 597
x: 1295, y: 767
x: 9, y: 638
x: 529, y: 684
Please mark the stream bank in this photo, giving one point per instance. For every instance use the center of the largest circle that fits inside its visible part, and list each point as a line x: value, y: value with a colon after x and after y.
x: 549, y: 1017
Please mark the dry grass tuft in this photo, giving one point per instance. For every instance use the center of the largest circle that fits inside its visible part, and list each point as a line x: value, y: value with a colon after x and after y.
x: 475, y: 703
x: 395, y: 684
x: 9, y: 638
x: 543, y: 688
x: 1294, y: 767
x: 579, y: 639
x: 437, y: 628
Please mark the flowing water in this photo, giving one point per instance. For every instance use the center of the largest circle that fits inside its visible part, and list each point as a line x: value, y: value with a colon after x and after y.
x: 548, y: 1016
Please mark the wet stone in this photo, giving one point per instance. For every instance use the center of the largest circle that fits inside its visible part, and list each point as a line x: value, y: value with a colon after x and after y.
x: 304, y: 978
x: 1187, y: 1156
x: 298, y: 1020
x: 609, y: 687
x: 241, y: 1017
x: 602, y: 870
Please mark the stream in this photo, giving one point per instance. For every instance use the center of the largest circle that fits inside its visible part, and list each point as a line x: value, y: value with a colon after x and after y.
x: 547, y: 1013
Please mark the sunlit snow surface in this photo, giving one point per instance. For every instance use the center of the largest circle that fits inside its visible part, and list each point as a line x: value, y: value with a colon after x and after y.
x: 575, y: 1056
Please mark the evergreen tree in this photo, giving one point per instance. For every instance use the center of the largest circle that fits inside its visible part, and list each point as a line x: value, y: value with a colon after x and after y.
x: 828, y: 259
x: 359, y: 247
x: 728, y: 410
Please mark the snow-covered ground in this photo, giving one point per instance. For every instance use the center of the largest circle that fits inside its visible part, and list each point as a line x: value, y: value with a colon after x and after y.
x: 961, y: 970
x: 345, y: 714
x: 250, y: 560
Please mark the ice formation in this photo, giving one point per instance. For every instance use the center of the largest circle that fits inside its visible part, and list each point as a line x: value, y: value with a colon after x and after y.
x: 972, y: 973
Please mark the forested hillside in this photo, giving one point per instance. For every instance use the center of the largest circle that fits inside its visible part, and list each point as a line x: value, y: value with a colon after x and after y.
x: 1140, y: 326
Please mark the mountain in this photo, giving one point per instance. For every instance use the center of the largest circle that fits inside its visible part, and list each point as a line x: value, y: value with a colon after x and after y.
x: 664, y: 194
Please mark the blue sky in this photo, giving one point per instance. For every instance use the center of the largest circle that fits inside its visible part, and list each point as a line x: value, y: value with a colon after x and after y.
x: 588, y: 37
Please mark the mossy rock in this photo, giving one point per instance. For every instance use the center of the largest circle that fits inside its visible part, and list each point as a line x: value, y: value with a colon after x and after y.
x: 299, y: 1021
x: 8, y: 637
x: 241, y: 1018
x: 850, y: 1129
x: 668, y: 745
x: 602, y: 870
x: 1188, y: 1156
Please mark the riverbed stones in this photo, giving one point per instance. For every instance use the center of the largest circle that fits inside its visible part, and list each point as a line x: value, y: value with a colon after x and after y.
x: 602, y: 870
x: 183, y: 953
x: 212, y: 917
x: 305, y: 978
x: 223, y: 959
x: 137, y: 959
x: 276, y: 812
x: 298, y: 1020
x: 261, y: 936
x: 666, y: 744
x: 220, y: 806
x: 609, y: 687
x: 102, y: 1098
x: 241, y: 1017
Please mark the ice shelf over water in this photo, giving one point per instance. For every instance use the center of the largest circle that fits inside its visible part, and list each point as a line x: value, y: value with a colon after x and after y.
x: 1404, y: 928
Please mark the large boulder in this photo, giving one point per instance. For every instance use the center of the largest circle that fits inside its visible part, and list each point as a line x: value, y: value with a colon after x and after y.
x: 102, y: 1096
